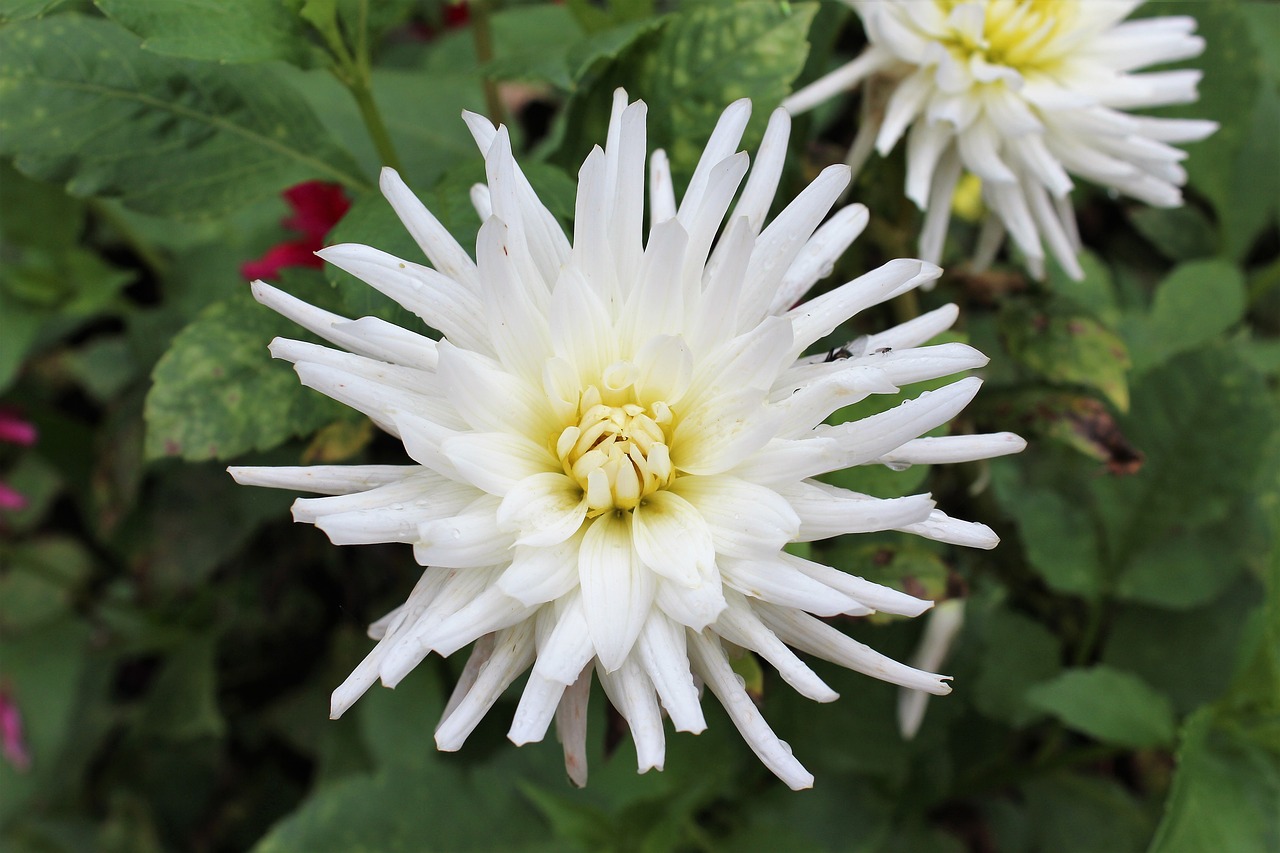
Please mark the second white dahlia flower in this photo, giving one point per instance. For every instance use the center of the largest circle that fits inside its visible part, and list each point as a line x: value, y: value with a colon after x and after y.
x: 617, y: 435
x: 1023, y: 94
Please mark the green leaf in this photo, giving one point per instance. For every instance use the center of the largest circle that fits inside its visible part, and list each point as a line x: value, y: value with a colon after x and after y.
x: 689, y: 71
x: 20, y: 10
x: 1196, y: 303
x: 1107, y: 704
x: 1188, y: 568
x: 177, y: 541
x: 1180, y: 233
x: 1226, y: 790
x: 42, y: 670
x: 1079, y: 814
x: 1203, y: 420
x: 226, y: 31
x: 82, y: 103
x: 1263, y: 20
x: 1018, y: 653
x: 1060, y: 538
x: 1227, y: 93
x: 1067, y: 348
x: 38, y: 581
x: 425, y: 810
x: 183, y: 702
x: 216, y: 394
x: 1095, y: 293
x: 540, y: 53
x: 1183, y: 654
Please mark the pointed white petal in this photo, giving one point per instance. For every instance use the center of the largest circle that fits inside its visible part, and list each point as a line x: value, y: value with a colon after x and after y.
x: 709, y: 661
x: 617, y: 590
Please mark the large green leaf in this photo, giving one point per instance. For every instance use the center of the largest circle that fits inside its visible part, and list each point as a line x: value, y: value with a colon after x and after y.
x: 691, y: 69
x: 226, y: 31
x: 42, y: 673
x: 1081, y: 814
x: 1067, y: 348
x: 1203, y: 420
x: 217, y: 394
x: 1226, y: 794
x: 1060, y: 538
x: 84, y: 104
x: 1110, y: 705
x: 19, y: 10
x: 1018, y: 653
x: 1193, y: 305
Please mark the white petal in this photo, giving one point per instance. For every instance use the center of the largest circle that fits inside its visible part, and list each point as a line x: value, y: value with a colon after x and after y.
x: 872, y: 437
x: 322, y: 479
x: 816, y: 260
x: 538, y: 704
x: 491, y: 610
x: 819, y: 317
x: 440, y: 301
x: 780, y: 243
x: 366, y: 672
x: 722, y: 432
x: 740, y: 626
x: 745, y: 519
x: 873, y: 595
x: 818, y: 638
x: 545, y: 509
x: 617, y: 590
x: 571, y: 728
x: 433, y: 238
x: 540, y: 574
x: 954, y: 448
x: 827, y: 511
x: 467, y: 540
x: 672, y: 539
x: 496, y: 461
x: 568, y: 647
x: 770, y: 578
x: 709, y: 660
x: 663, y: 652
x: 758, y: 194
x: 939, y: 634
x: 939, y: 527
x: 512, y: 653
x: 723, y: 142
x: 631, y: 692
x: 386, y: 341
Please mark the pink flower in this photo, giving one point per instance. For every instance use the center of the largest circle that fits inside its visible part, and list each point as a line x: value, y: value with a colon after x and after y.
x: 13, y: 743
x: 317, y: 207
x: 14, y: 430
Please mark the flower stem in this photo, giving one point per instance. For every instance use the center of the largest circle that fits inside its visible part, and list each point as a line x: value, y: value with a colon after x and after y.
x: 483, y: 35
x: 373, y: 122
x: 355, y: 72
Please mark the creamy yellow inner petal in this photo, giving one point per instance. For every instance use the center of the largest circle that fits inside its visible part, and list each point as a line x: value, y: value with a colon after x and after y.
x: 1025, y: 35
x: 617, y: 451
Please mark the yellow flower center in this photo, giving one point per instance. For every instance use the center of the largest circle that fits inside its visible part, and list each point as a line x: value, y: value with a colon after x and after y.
x: 617, y: 451
x: 1019, y: 34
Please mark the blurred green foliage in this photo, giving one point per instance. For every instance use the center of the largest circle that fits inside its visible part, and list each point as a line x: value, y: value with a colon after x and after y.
x: 170, y: 640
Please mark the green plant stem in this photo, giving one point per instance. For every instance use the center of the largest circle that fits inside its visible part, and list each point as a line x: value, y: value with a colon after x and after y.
x: 483, y: 35
x: 373, y: 122
x: 355, y: 73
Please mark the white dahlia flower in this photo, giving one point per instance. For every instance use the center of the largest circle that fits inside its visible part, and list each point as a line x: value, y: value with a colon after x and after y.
x: 615, y: 438
x: 1022, y: 94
